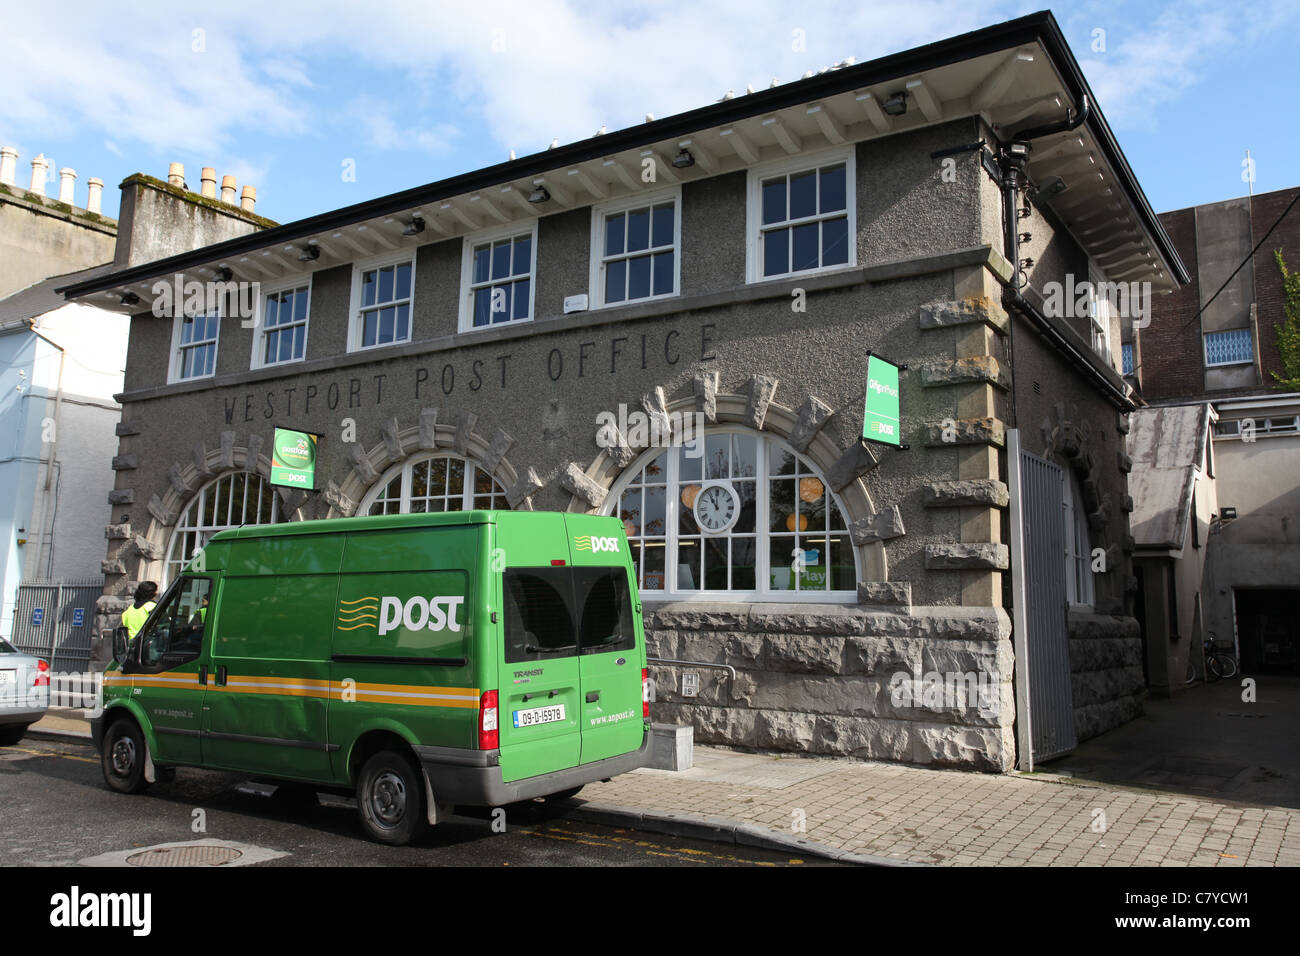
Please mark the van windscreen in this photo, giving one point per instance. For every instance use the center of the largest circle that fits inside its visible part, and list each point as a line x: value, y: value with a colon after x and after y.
x: 561, y: 612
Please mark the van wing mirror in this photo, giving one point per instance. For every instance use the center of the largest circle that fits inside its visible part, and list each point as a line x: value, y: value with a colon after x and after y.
x: 121, y: 642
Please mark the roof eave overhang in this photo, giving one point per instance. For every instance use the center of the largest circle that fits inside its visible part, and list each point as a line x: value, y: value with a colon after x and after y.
x: 466, y: 202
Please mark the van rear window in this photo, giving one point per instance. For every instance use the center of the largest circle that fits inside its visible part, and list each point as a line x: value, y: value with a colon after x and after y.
x: 561, y: 612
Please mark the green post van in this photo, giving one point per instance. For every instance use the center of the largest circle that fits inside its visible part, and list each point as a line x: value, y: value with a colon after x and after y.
x: 419, y: 661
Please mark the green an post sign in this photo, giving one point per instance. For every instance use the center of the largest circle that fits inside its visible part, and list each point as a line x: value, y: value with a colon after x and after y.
x: 881, y: 419
x: 293, y: 459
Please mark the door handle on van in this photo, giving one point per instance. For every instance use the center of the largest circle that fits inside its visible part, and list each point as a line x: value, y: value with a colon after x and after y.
x: 203, y: 674
x: 221, y: 675
x: 593, y: 696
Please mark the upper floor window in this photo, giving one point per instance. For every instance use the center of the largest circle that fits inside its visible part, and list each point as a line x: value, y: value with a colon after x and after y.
x: 636, y: 245
x: 1127, y: 357
x: 194, y: 351
x: 497, y: 277
x: 802, y: 216
x: 282, y: 333
x: 382, y: 292
x: 1233, y: 347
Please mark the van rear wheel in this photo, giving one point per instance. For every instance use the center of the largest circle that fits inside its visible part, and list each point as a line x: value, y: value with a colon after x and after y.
x: 390, y: 799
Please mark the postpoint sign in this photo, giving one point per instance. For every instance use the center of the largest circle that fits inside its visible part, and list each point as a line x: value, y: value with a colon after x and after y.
x: 881, y: 416
x: 293, y: 459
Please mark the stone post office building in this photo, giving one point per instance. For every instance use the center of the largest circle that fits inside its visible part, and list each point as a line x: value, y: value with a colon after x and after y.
x: 456, y: 343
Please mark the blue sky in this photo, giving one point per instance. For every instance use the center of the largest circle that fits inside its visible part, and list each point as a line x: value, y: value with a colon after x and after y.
x: 287, y: 97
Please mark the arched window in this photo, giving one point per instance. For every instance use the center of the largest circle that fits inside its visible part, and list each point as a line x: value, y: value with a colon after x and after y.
x: 434, y: 483
x: 739, y: 515
x: 229, y: 501
x: 1078, y: 545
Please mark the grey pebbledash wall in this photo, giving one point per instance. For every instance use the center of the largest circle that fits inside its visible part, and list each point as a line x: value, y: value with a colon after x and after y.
x: 927, y: 524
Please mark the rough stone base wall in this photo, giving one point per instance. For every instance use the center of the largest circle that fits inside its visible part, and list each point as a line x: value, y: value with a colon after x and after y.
x: 821, y: 679
x: 1105, y: 671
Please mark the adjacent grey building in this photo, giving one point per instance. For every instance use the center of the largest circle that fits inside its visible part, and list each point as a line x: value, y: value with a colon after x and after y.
x: 464, y: 344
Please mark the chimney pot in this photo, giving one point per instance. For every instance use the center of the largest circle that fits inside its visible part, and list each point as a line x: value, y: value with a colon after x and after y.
x: 209, y: 182
x: 247, y: 198
x: 39, y: 165
x: 176, y: 175
x: 8, y: 165
x: 228, y: 189
x: 67, y: 185
x: 94, y: 200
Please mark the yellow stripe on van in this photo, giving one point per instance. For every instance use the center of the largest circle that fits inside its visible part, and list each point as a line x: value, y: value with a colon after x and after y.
x: 415, y: 695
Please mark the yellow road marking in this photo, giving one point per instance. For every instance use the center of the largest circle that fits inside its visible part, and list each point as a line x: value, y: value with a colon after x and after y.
x: 55, y: 753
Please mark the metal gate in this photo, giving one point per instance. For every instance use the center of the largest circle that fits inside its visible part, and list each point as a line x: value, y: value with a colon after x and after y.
x: 55, y: 620
x: 1044, y: 699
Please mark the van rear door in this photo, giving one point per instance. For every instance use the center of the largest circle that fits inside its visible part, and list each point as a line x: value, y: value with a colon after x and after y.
x: 537, y: 655
x: 610, y: 640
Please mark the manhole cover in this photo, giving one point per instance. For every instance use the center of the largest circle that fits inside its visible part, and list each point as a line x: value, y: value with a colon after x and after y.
x: 185, y: 856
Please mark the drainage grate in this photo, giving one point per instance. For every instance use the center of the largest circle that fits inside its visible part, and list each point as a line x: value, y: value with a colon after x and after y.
x: 185, y: 856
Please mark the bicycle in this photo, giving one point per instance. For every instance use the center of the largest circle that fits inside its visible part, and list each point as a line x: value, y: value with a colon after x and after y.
x: 1217, y: 663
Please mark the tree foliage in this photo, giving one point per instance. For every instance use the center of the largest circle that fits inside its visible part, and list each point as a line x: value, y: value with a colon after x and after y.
x: 1288, y: 333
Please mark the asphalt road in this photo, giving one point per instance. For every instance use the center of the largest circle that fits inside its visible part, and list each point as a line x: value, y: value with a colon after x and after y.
x: 58, y: 812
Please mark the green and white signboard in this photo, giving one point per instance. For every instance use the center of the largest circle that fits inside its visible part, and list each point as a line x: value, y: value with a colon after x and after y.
x: 293, y: 459
x: 881, y: 417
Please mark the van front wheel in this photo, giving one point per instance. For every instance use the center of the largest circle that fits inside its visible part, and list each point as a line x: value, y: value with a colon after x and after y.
x: 390, y: 799
x: 122, y: 758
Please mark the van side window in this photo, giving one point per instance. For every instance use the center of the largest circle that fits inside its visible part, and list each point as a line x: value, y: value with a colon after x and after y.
x: 538, y: 623
x: 174, y: 634
x: 604, y: 602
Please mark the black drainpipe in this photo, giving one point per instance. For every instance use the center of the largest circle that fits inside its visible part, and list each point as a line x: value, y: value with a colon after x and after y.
x: 1013, y: 155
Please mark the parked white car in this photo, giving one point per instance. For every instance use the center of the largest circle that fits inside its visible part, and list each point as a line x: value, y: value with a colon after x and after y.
x: 24, y: 692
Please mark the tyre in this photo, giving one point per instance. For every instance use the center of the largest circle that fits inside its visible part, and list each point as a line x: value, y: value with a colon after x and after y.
x: 390, y: 799
x: 11, y: 735
x: 562, y: 795
x: 1213, y: 668
x: 1227, y: 665
x: 122, y: 757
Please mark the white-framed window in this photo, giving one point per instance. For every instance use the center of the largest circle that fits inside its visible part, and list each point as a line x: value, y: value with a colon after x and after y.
x: 228, y: 501
x: 1126, y: 358
x: 781, y: 533
x: 194, y: 347
x: 636, y: 248
x: 1078, y: 544
x: 1233, y: 347
x: 383, y: 291
x: 497, y: 276
x: 1277, y: 425
x: 434, y: 483
x: 802, y: 216
x: 1100, y: 309
x: 281, y: 336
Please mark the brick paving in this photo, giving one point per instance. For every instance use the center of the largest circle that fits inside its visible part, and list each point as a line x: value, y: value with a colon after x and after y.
x: 960, y: 819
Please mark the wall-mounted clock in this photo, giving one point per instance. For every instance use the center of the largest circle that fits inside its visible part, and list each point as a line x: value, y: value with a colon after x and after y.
x: 717, y: 507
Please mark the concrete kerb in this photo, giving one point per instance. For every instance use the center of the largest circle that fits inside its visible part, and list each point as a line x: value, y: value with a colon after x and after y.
x: 721, y: 830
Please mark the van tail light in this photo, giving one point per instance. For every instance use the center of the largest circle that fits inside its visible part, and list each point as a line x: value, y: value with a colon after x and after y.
x: 645, y: 692
x: 42, y: 675
x: 489, y: 738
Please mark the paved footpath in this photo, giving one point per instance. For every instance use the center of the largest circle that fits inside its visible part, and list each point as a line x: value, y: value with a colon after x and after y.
x: 957, y: 818
x: 945, y: 817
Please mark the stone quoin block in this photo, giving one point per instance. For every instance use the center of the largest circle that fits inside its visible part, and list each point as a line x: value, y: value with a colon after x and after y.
x: 123, y: 429
x: 880, y: 526
x: 465, y: 423
x: 576, y: 481
x: 965, y: 431
x: 706, y: 395
x: 967, y: 557
x: 159, y: 513
x: 146, y: 548
x: 252, y: 452
x: 335, y: 497
x: 761, y: 389
x: 974, y: 369
x: 115, y: 532
x: 896, y: 593
x: 969, y: 492
x: 1125, y: 462
x: 812, y: 416
x: 521, y: 491
x: 856, y: 461
x: 121, y: 496
x: 500, y: 445
x: 428, y: 428
x: 125, y: 462
x: 943, y: 315
x: 112, y: 566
